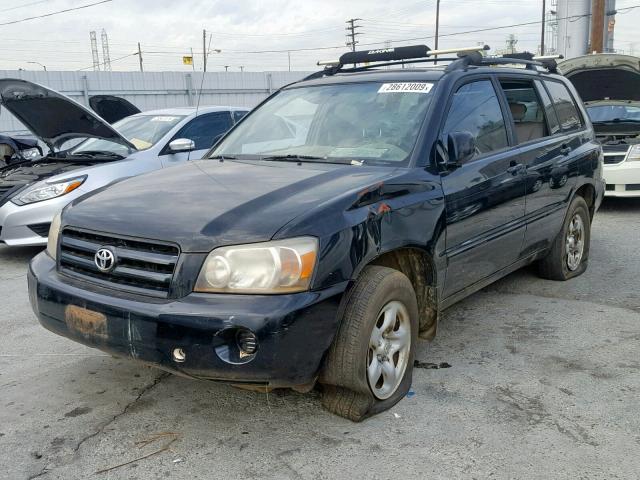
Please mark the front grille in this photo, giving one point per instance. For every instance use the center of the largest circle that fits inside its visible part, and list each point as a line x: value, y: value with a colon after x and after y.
x: 142, y: 266
x: 610, y: 188
x: 632, y: 187
x: 41, y: 229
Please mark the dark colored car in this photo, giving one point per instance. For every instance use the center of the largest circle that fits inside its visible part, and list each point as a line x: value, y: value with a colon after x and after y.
x: 326, y: 231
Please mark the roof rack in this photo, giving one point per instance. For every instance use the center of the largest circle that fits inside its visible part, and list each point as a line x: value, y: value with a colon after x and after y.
x: 393, y: 56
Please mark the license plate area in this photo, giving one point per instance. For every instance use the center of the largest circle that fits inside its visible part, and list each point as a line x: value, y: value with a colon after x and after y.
x: 85, y: 322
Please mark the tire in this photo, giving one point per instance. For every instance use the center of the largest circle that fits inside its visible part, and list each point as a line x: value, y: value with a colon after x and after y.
x: 557, y: 265
x: 381, y: 296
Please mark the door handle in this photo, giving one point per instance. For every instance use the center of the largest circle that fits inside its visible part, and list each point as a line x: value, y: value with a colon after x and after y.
x: 517, y: 168
x: 565, y: 149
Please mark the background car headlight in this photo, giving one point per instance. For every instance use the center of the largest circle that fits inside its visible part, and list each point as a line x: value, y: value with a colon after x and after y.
x: 634, y: 153
x: 45, y: 191
x: 31, y: 153
x: 54, y: 232
x: 281, y: 266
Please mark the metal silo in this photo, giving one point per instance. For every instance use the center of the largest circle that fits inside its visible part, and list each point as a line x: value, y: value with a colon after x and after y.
x: 573, y: 27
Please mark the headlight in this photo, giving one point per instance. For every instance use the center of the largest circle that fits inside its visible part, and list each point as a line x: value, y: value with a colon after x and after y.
x: 54, y: 231
x: 634, y: 153
x: 45, y: 191
x: 31, y: 153
x: 281, y: 266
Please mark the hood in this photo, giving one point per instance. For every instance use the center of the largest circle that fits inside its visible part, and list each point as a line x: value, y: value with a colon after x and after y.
x: 205, y: 204
x: 604, y: 76
x: 51, y: 116
x: 112, y: 108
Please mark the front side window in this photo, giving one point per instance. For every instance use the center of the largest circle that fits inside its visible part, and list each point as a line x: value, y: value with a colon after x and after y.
x: 205, y: 129
x: 475, y: 109
x: 143, y: 131
x: 526, y: 110
x: 374, y: 122
x: 566, y: 109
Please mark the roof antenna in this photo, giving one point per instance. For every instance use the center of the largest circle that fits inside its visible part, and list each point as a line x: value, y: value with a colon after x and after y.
x: 206, y: 54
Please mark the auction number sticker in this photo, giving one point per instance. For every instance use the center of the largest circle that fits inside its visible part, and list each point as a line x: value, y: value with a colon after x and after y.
x: 412, y: 87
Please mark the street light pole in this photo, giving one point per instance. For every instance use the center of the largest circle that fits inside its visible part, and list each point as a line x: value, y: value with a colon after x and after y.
x: 437, y: 28
x: 544, y: 18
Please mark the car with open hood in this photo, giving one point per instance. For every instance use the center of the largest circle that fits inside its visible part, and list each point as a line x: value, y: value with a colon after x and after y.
x: 329, y: 228
x: 14, y: 149
x: 86, y: 153
x: 609, y: 84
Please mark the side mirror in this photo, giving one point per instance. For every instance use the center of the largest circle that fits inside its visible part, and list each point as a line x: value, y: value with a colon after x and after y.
x: 182, y: 145
x: 461, y: 147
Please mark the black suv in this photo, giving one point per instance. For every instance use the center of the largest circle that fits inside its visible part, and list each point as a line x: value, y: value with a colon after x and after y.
x: 327, y: 231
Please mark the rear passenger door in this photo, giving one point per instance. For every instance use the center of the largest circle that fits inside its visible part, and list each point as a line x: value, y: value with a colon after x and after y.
x: 204, y: 130
x: 484, y: 197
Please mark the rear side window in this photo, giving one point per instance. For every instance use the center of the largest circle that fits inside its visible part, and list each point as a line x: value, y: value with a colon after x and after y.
x: 566, y: 108
x: 552, y: 118
x: 475, y: 109
x: 526, y: 110
x: 238, y: 114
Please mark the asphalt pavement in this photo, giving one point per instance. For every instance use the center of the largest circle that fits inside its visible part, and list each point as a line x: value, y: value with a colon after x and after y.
x: 543, y: 382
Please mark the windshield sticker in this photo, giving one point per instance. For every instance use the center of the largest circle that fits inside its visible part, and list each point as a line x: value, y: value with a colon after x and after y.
x: 405, y: 88
x: 140, y: 144
x: 164, y: 119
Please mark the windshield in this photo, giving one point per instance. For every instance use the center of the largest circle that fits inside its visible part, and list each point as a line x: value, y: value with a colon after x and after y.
x: 375, y: 123
x: 608, y: 113
x: 143, y: 131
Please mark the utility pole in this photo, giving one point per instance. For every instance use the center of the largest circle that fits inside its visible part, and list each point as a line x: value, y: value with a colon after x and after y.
x: 289, y: 55
x: 226, y: 68
x: 544, y: 18
x: 597, y: 25
x: 94, y: 51
x: 140, y: 57
x: 437, y: 29
x: 241, y: 68
x: 204, y: 50
x: 193, y: 60
x: 351, y: 33
x: 106, y: 58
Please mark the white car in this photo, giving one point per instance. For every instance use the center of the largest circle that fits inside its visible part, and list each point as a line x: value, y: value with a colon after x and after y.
x: 33, y: 191
x: 609, y: 84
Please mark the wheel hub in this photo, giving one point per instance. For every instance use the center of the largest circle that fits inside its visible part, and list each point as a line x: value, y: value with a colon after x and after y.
x: 389, y: 350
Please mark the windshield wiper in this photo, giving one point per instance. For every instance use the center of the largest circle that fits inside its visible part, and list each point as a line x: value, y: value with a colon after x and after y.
x: 222, y: 157
x: 97, y: 153
x: 310, y: 159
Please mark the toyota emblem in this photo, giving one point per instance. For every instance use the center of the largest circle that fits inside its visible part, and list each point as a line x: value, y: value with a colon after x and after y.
x: 105, y: 260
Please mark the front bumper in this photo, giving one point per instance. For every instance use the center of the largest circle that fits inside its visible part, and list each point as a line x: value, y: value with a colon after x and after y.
x: 294, y: 331
x: 623, y: 179
x: 15, y: 220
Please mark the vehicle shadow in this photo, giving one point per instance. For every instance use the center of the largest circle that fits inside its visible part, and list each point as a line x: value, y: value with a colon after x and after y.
x: 617, y: 204
x: 17, y: 255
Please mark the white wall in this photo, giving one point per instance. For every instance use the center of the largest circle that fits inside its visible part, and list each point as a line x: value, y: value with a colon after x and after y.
x: 151, y: 90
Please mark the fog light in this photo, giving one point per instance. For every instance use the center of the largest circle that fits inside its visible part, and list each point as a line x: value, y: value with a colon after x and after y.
x: 247, y: 343
x: 179, y: 355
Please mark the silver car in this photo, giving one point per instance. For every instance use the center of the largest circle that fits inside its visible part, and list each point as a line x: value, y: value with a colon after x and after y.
x: 86, y: 153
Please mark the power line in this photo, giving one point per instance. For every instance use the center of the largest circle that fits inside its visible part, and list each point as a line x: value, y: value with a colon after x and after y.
x: 24, y: 5
x: 12, y: 22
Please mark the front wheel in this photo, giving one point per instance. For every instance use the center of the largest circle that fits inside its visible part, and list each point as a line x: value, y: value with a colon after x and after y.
x: 569, y: 253
x: 370, y: 363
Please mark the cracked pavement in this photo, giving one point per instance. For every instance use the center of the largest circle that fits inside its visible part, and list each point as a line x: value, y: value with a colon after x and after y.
x: 543, y: 383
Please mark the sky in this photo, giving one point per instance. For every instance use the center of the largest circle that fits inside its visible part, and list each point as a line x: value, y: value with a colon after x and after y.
x: 257, y: 35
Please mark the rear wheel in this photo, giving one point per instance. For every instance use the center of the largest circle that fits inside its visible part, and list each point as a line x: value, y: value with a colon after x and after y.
x: 569, y: 253
x: 370, y: 363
